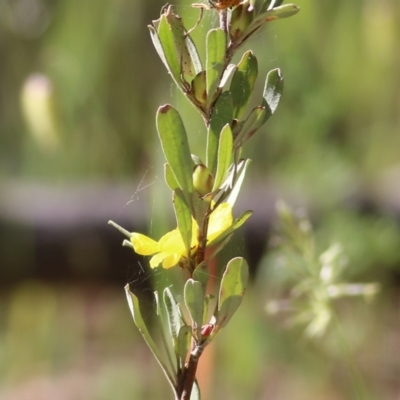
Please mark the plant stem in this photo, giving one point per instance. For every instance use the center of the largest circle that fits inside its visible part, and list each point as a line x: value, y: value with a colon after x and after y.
x: 189, y: 373
x: 223, y: 20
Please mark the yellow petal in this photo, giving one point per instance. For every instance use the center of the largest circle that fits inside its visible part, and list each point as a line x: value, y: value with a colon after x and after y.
x: 168, y: 260
x: 220, y: 220
x: 156, y: 260
x: 172, y: 242
x: 171, y: 261
x: 143, y: 245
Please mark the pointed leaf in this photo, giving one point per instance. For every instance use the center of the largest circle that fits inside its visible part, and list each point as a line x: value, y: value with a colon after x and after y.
x: 175, y: 145
x: 215, y: 60
x: 272, y: 91
x: 243, y: 81
x: 224, y: 155
x: 194, y: 300
x: 222, y: 115
x: 232, y: 289
x: 183, y: 218
x: 133, y: 303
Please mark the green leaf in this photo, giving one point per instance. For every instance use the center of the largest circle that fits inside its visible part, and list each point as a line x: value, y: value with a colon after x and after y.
x: 269, y: 5
x: 202, y: 274
x: 170, y: 177
x: 158, y: 46
x: 133, y: 303
x: 232, y: 289
x: 163, y: 325
x: 175, y: 145
x: 179, y: 34
x: 167, y: 41
x: 194, y: 300
x: 241, y: 17
x: 284, y: 11
x: 272, y: 92
x: 198, y: 67
x: 222, y: 115
x: 243, y: 81
x: 199, y: 89
x: 215, y: 60
x: 183, y: 218
x: 173, y: 312
x: 245, y: 130
x: 183, y: 344
x: 200, y: 208
x: 224, y: 155
x: 231, y: 199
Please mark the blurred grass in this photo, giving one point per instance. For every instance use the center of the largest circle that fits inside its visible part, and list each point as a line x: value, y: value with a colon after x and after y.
x: 335, y: 135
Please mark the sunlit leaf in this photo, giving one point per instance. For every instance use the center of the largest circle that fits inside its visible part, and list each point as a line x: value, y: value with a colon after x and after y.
x: 224, y: 155
x: 167, y: 41
x: 243, y: 82
x: 170, y: 177
x: 231, y: 199
x: 222, y: 115
x: 183, y: 344
x: 176, y: 147
x: 272, y: 91
x: 173, y: 312
x: 201, y: 274
x: 250, y: 126
x: 232, y: 289
x: 215, y: 60
x: 179, y: 34
x: 194, y: 301
x: 133, y: 303
x: 191, y: 46
x: 283, y: 11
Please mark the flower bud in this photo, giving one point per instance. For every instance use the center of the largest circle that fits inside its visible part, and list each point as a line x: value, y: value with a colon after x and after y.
x: 206, y: 330
x: 203, y: 180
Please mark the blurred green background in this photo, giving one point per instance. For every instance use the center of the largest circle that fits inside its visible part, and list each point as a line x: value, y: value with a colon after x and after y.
x: 79, y: 87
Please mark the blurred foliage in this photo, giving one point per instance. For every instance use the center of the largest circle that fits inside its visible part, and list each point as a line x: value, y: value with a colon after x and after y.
x: 336, y: 133
x: 338, y: 121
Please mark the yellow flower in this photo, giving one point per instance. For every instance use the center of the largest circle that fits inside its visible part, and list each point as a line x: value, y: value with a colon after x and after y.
x: 170, y: 248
